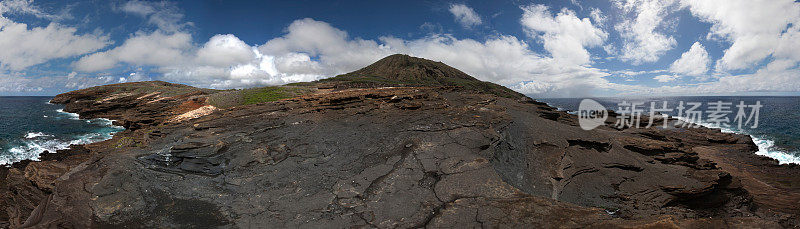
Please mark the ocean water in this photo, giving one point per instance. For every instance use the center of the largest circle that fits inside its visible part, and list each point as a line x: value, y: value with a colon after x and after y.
x: 777, y: 134
x: 29, y: 126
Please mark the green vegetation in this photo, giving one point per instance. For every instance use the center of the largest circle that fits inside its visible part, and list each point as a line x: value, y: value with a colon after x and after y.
x: 225, y: 99
x: 232, y: 98
x: 265, y: 94
x: 301, y: 84
x: 124, y: 142
x: 365, y: 80
x: 477, y: 85
x: 165, y: 89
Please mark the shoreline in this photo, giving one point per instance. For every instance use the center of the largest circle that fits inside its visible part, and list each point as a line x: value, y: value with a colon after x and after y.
x: 489, y: 131
x: 32, y: 148
x: 764, y: 144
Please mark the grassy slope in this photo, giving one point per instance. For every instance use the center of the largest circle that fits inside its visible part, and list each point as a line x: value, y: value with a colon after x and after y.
x: 372, y: 81
x: 231, y: 98
x: 392, y: 71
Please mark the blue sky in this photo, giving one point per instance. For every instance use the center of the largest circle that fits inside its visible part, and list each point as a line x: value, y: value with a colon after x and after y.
x: 541, y: 48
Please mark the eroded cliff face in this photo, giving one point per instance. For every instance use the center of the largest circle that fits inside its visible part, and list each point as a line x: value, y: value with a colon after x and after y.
x: 388, y: 157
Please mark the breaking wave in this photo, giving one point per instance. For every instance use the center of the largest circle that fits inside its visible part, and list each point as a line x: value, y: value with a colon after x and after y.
x: 72, y: 116
x: 33, y: 143
x: 766, y: 147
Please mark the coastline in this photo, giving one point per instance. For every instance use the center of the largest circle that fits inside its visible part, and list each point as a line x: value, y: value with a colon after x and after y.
x: 764, y: 144
x: 34, y: 144
x: 450, y: 149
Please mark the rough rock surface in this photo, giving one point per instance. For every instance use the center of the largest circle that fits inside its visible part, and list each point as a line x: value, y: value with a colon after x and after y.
x: 388, y: 157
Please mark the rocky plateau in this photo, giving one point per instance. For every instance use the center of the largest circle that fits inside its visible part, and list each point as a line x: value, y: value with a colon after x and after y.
x: 403, y: 143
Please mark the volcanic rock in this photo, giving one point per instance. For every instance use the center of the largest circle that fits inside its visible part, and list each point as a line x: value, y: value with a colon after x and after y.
x: 405, y: 142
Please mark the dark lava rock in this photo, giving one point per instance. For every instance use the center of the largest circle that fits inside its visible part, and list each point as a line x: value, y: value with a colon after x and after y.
x: 405, y: 157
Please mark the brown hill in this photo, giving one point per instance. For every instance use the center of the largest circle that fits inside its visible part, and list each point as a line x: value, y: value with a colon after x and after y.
x: 405, y: 70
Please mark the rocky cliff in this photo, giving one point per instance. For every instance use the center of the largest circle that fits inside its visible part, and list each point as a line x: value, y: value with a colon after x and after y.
x: 406, y: 142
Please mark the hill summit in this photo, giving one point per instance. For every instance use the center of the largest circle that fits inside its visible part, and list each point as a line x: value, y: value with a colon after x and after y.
x: 405, y: 70
x: 402, y: 67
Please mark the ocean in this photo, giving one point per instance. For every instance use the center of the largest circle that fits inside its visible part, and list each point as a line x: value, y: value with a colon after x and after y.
x: 29, y: 126
x: 777, y: 134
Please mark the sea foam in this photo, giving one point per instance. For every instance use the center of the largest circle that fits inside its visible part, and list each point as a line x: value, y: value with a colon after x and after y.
x: 30, y: 135
x: 36, y: 143
x: 73, y: 116
x: 765, y: 146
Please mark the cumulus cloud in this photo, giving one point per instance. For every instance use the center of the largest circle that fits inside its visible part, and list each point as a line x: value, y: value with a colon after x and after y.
x: 465, y: 15
x: 163, y: 14
x: 755, y: 28
x: 75, y: 81
x: 758, y: 32
x: 666, y: 78
x: 225, y: 50
x: 629, y: 75
x: 506, y: 60
x: 23, y: 47
x: 311, y: 50
x: 597, y: 16
x: 693, y: 62
x: 778, y: 76
x: 22, y: 7
x: 140, y: 8
x: 565, y: 35
x: 498, y: 59
x: 336, y: 50
x: 16, y: 83
x: 157, y: 49
x: 168, y: 45
x: 642, y: 42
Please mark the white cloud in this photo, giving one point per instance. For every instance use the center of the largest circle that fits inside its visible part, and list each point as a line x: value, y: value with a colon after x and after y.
x: 629, y: 75
x: 642, y: 41
x: 310, y: 50
x: 337, y: 52
x: 758, y: 31
x: 225, y: 50
x: 503, y: 60
x: 163, y: 14
x: 140, y: 8
x: 565, y: 35
x: 533, y: 87
x: 313, y: 49
x: 23, y: 47
x: 598, y: 17
x: 506, y: 60
x: 26, y: 7
x: 18, y: 82
x: 465, y: 15
x: 755, y: 28
x: 778, y: 76
x: 169, y: 45
x: 693, y: 62
x: 10, y: 82
x: 666, y: 78
x: 84, y: 81
x: 156, y: 49
x: 227, y: 62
